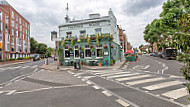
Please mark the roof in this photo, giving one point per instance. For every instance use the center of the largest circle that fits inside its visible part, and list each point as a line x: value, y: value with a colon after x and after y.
x: 73, y: 22
x: 4, y: 2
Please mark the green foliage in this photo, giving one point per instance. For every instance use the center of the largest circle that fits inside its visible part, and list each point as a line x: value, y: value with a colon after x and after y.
x: 173, y: 30
x: 88, y: 41
x: 33, y: 45
x: 111, y: 62
x: 63, y: 43
x: 41, y: 48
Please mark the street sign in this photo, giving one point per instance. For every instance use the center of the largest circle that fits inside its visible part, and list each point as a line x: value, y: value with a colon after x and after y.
x: 53, y: 36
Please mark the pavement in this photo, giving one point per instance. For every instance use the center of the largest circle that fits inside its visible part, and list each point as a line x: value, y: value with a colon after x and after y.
x: 53, y: 66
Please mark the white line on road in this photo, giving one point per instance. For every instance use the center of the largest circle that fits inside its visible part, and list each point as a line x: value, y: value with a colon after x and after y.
x: 106, y: 93
x: 175, y: 94
x: 162, y: 85
x: 115, y: 73
x: 116, y: 76
x: 11, y: 92
x: 131, y: 78
x: 26, y: 67
x: 145, y: 81
x: 47, y: 88
x: 88, y: 82
x: 123, y: 103
x: 96, y: 87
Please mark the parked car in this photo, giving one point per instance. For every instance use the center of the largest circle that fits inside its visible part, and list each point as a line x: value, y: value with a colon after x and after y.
x: 155, y: 54
x: 151, y: 54
x: 36, y: 57
x: 160, y: 54
x: 143, y: 52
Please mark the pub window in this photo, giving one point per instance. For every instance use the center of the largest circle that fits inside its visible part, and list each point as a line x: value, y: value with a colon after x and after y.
x: 69, y: 34
x: 98, y: 30
x: 83, y: 32
x: 99, y: 52
x: 87, y: 53
x: 67, y: 53
x: 77, y: 55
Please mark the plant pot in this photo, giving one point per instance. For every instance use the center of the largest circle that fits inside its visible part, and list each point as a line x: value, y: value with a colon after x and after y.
x: 83, y: 64
x: 99, y: 64
x: 59, y: 63
x: 111, y: 64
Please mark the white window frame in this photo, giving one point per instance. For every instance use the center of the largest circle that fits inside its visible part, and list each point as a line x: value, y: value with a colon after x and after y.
x: 74, y: 52
x: 85, y: 52
x: 64, y: 53
x: 96, y: 52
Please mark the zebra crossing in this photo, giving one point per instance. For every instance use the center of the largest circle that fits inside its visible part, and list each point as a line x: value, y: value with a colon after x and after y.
x: 17, y: 67
x: 147, y: 82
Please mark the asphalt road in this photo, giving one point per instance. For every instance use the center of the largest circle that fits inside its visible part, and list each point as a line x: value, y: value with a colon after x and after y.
x: 137, y: 84
x: 157, y: 65
x: 13, y: 72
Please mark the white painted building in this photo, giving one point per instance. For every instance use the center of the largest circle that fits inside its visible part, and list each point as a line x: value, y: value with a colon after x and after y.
x: 96, y: 24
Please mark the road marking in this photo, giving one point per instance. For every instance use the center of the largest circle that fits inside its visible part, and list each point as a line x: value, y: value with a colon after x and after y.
x: 11, y: 92
x: 131, y: 78
x: 145, y: 81
x: 105, y: 72
x: 58, y: 87
x: 1, y: 92
x: 34, y: 66
x: 106, y: 93
x: 123, y: 103
x: 115, y: 73
x: 88, y: 82
x: 162, y: 85
x: 79, y: 77
x: 16, y: 67
x: 175, y: 94
x: 26, y: 67
x: 122, y: 75
x: 88, y: 77
x: 96, y: 87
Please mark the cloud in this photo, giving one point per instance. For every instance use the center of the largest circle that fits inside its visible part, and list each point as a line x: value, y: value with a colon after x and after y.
x: 45, y: 16
x: 135, y: 7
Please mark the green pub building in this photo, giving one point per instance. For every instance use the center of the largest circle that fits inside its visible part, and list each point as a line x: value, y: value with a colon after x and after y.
x: 93, y: 41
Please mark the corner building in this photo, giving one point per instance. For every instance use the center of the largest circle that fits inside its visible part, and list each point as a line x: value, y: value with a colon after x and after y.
x: 14, y: 33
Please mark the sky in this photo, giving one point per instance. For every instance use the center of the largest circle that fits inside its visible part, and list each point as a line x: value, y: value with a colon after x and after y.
x: 45, y: 15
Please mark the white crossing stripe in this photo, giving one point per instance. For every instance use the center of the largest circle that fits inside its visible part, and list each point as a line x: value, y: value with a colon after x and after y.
x: 1, y: 92
x: 88, y: 77
x: 34, y: 66
x: 145, y: 81
x: 106, y: 72
x: 96, y: 87
x: 122, y: 75
x: 123, y: 103
x: 88, y: 82
x: 26, y: 67
x: 17, y: 67
x: 162, y: 85
x: 106, y: 93
x: 115, y: 73
x: 131, y: 78
x: 175, y: 94
x: 11, y: 92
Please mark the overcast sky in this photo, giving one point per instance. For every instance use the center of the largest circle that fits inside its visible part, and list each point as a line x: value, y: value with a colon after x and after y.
x: 45, y: 15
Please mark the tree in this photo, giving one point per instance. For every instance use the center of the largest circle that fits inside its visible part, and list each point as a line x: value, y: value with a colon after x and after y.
x: 140, y: 47
x: 41, y: 48
x: 49, y: 51
x: 33, y: 45
x: 174, y: 25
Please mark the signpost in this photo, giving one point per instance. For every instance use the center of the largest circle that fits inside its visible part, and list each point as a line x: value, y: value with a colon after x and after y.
x: 56, y: 39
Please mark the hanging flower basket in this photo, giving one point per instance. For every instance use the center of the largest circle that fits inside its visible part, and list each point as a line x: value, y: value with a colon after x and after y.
x: 70, y: 48
x: 92, y: 47
x: 92, y: 38
x: 105, y: 46
x: 78, y: 41
x: 112, y: 46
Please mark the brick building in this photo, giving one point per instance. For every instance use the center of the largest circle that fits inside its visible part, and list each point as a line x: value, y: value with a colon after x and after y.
x: 123, y: 39
x: 14, y: 33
